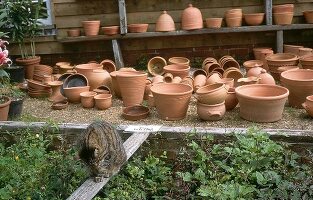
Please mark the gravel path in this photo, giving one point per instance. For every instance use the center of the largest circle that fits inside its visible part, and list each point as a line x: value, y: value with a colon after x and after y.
x: 39, y: 110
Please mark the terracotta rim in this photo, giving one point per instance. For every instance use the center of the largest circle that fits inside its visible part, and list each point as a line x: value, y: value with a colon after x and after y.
x: 283, y: 75
x: 103, y: 96
x: 210, y: 105
x: 190, y: 89
x: 285, y: 92
x: 273, y: 57
x: 88, y: 94
x: 216, y: 86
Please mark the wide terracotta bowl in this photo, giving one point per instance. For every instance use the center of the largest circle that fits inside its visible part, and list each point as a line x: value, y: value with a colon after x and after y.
x: 134, y: 113
x: 73, y: 93
x: 212, y: 94
x: 138, y: 28
x: 110, y: 30
x: 261, y: 102
x: 254, y: 19
x: 308, y: 105
x: 177, y: 70
x: 179, y: 60
x: 171, y: 100
x: 300, y: 84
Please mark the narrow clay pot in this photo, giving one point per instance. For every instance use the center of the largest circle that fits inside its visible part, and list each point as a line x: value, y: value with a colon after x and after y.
x: 171, y: 100
x: 307, y: 61
x: 211, y: 112
x: 308, y: 105
x: 132, y: 85
x: 156, y: 65
x: 87, y: 99
x: 103, y: 101
x: 231, y: 100
x: 191, y: 18
x: 4, y: 109
x: 211, y: 94
x: 165, y: 23
x: 91, y: 28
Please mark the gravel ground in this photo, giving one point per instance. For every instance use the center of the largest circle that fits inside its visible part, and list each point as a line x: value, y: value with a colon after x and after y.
x: 39, y: 110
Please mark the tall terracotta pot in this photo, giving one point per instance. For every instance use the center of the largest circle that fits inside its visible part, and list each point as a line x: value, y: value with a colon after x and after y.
x: 132, y: 85
x: 29, y: 65
x: 4, y: 109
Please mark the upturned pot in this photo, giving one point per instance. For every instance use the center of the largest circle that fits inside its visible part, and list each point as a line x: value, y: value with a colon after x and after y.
x: 191, y: 18
x: 211, y: 94
x: 308, y: 105
x: 91, y: 28
x: 231, y: 100
x: 103, y: 101
x: 87, y: 99
x: 29, y: 65
x: 132, y: 85
x: 171, y: 100
x: 4, y: 108
x: 211, y: 112
x: 165, y: 23
x: 261, y: 102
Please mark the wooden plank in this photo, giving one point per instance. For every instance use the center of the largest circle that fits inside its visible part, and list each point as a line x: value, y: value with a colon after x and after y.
x: 279, y: 41
x: 268, y: 11
x: 123, y: 18
x: 117, y: 54
x: 89, y: 188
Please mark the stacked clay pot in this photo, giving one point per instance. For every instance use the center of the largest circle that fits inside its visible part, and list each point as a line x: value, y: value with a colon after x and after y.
x: 211, y: 101
x: 283, y: 14
x: 103, y: 101
x: 73, y: 85
x: 233, y: 17
x: 209, y: 64
x: 227, y: 62
x: 165, y: 23
x: 191, y: 18
x: 40, y: 71
x: 37, y: 89
x: 307, y: 61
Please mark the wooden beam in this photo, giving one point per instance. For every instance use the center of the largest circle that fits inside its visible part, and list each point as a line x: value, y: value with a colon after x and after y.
x: 89, y: 188
x: 123, y: 16
x: 280, y: 41
x: 268, y: 11
x: 117, y: 54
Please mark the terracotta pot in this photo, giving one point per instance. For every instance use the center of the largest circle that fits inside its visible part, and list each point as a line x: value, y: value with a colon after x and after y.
x: 177, y: 79
x: 308, y: 105
x: 87, y: 69
x: 211, y: 112
x: 283, y: 18
x: 73, y: 93
x: 165, y: 23
x: 266, y: 78
x: 199, y: 81
x: 64, y: 68
x: 248, y: 81
x: 263, y: 54
x: 229, y: 82
x: 111, y: 30
x: 132, y: 85
x: 231, y: 100
x: 257, y: 52
x: 209, y: 67
x: 102, y: 89
x: 199, y: 71
x: 179, y: 61
x: 211, y: 94
x: 99, y: 77
x: 308, y: 15
x: 307, y: 61
x: 156, y: 65
x: 233, y: 73
x: 300, y: 84
x: 177, y: 70
x: 213, y: 22
x: 283, y: 8
x: 191, y: 18
x: 56, y: 94
x: 91, y: 28
x: 87, y: 99
x: 304, y: 51
x: 147, y: 89
x: 137, y: 28
x: 168, y: 77
x: 75, y: 80
x: 158, y: 79
x: 73, y: 33
x: 28, y: 65
x: 251, y: 63
x: 255, y: 71
x: 228, y: 62
x: 189, y: 81
x: 261, y: 103
x: 234, y: 21
x: 213, y: 78
x: 134, y: 113
x: 108, y: 65
x: 254, y: 19
x: 4, y: 109
x: 208, y: 60
x: 294, y: 49
x: 103, y: 101
x: 171, y: 100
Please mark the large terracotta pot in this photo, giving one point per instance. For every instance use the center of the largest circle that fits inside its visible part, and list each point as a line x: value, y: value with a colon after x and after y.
x: 87, y: 69
x: 261, y: 102
x: 212, y: 94
x: 165, y: 23
x: 177, y: 70
x: 29, y: 65
x: 132, y: 85
x: 191, y: 18
x: 211, y: 112
x: 300, y: 84
x: 99, y: 77
x: 4, y: 109
x: 91, y: 28
x: 115, y: 86
x: 171, y: 100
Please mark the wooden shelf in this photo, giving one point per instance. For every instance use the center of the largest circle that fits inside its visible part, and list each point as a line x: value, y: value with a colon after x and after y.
x: 241, y: 29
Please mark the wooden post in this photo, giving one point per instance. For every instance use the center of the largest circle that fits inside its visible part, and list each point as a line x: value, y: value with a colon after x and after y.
x: 268, y: 11
x: 123, y: 17
x: 279, y: 41
x: 117, y: 54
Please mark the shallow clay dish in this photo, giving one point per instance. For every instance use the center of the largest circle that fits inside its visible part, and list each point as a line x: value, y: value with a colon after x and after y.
x: 135, y: 113
x: 59, y: 105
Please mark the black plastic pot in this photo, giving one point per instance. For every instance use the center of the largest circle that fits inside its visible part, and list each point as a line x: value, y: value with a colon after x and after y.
x: 16, y: 73
x: 15, y: 109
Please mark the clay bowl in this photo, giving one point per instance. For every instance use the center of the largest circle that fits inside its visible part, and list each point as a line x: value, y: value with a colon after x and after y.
x: 138, y: 28
x: 110, y: 30
x: 308, y: 15
x: 75, y: 80
x: 254, y: 19
x: 300, y: 84
x: 177, y: 70
x: 308, y: 105
x: 171, y: 100
x: 307, y: 61
x: 283, y: 8
x: 102, y: 89
x: 213, y: 22
x: 73, y: 33
x: 211, y: 94
x: 103, y: 101
x: 261, y: 102
x: 211, y: 112
x: 73, y: 93
x: 251, y: 63
x: 87, y: 99
x: 37, y: 85
x: 156, y: 65
x: 179, y: 60
x: 282, y: 59
x: 283, y: 18
x: 134, y: 113
x: 59, y: 105
x: 234, y: 21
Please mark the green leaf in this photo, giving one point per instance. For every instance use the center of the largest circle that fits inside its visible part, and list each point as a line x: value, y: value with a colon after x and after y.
x: 260, y: 178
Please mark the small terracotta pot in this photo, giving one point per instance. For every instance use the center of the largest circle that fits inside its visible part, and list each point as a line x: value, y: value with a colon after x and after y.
x: 103, y: 101
x: 283, y: 8
x: 135, y: 113
x: 111, y: 30
x: 211, y: 112
x: 228, y: 62
x: 283, y: 18
x: 156, y: 65
x: 191, y: 18
x: 257, y: 52
x: 73, y: 93
x: 308, y: 15
x: 213, y: 22
x: 308, y: 105
x: 91, y: 28
x: 73, y: 33
x: 87, y: 99
x: 294, y: 49
x: 4, y: 109
x: 254, y: 71
x: 231, y: 100
x: 211, y: 94
x: 138, y: 28
x: 199, y: 71
x: 254, y: 19
x: 165, y: 23
x: 304, y: 51
x: 234, y: 21
x: 179, y: 61
x: 177, y: 70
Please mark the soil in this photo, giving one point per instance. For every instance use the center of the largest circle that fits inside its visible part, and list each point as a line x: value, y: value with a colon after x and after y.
x: 40, y: 110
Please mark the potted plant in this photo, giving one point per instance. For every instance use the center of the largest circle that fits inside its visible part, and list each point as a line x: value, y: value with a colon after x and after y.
x: 21, y: 21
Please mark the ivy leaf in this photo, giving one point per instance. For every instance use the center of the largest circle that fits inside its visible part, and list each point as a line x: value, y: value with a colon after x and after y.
x: 260, y: 178
x: 200, y: 175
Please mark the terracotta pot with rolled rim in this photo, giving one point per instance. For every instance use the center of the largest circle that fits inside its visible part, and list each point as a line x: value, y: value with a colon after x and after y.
x: 281, y: 8
x: 103, y: 101
x: 132, y: 86
x: 108, y: 65
x: 73, y: 93
x: 211, y: 94
x: 266, y: 78
x: 255, y: 71
x: 300, y: 84
x: 91, y: 28
x: 168, y: 77
x: 87, y: 68
x: 156, y: 65
x: 177, y: 70
x: 208, y: 60
x: 29, y: 65
x: 191, y: 18
x: 234, y: 73
x: 213, y: 78
x: 231, y: 100
x: 211, y: 112
x: 99, y: 77
x: 283, y: 18
x: 254, y: 19
x: 308, y: 105
x: 165, y: 23
x: 111, y: 30
x: 179, y: 61
x: 249, y: 64
x: 102, y: 89
x: 213, y: 22
x: 171, y: 100
x: 280, y: 59
x: 209, y: 67
x: 199, y: 81
x: 227, y: 62
x: 4, y: 108
x: 248, y: 81
x: 87, y: 99
x: 73, y: 33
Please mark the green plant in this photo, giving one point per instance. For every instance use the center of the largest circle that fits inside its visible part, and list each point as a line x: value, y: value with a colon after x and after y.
x: 142, y: 62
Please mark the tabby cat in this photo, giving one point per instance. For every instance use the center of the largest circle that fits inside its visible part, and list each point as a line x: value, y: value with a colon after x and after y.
x: 102, y: 150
